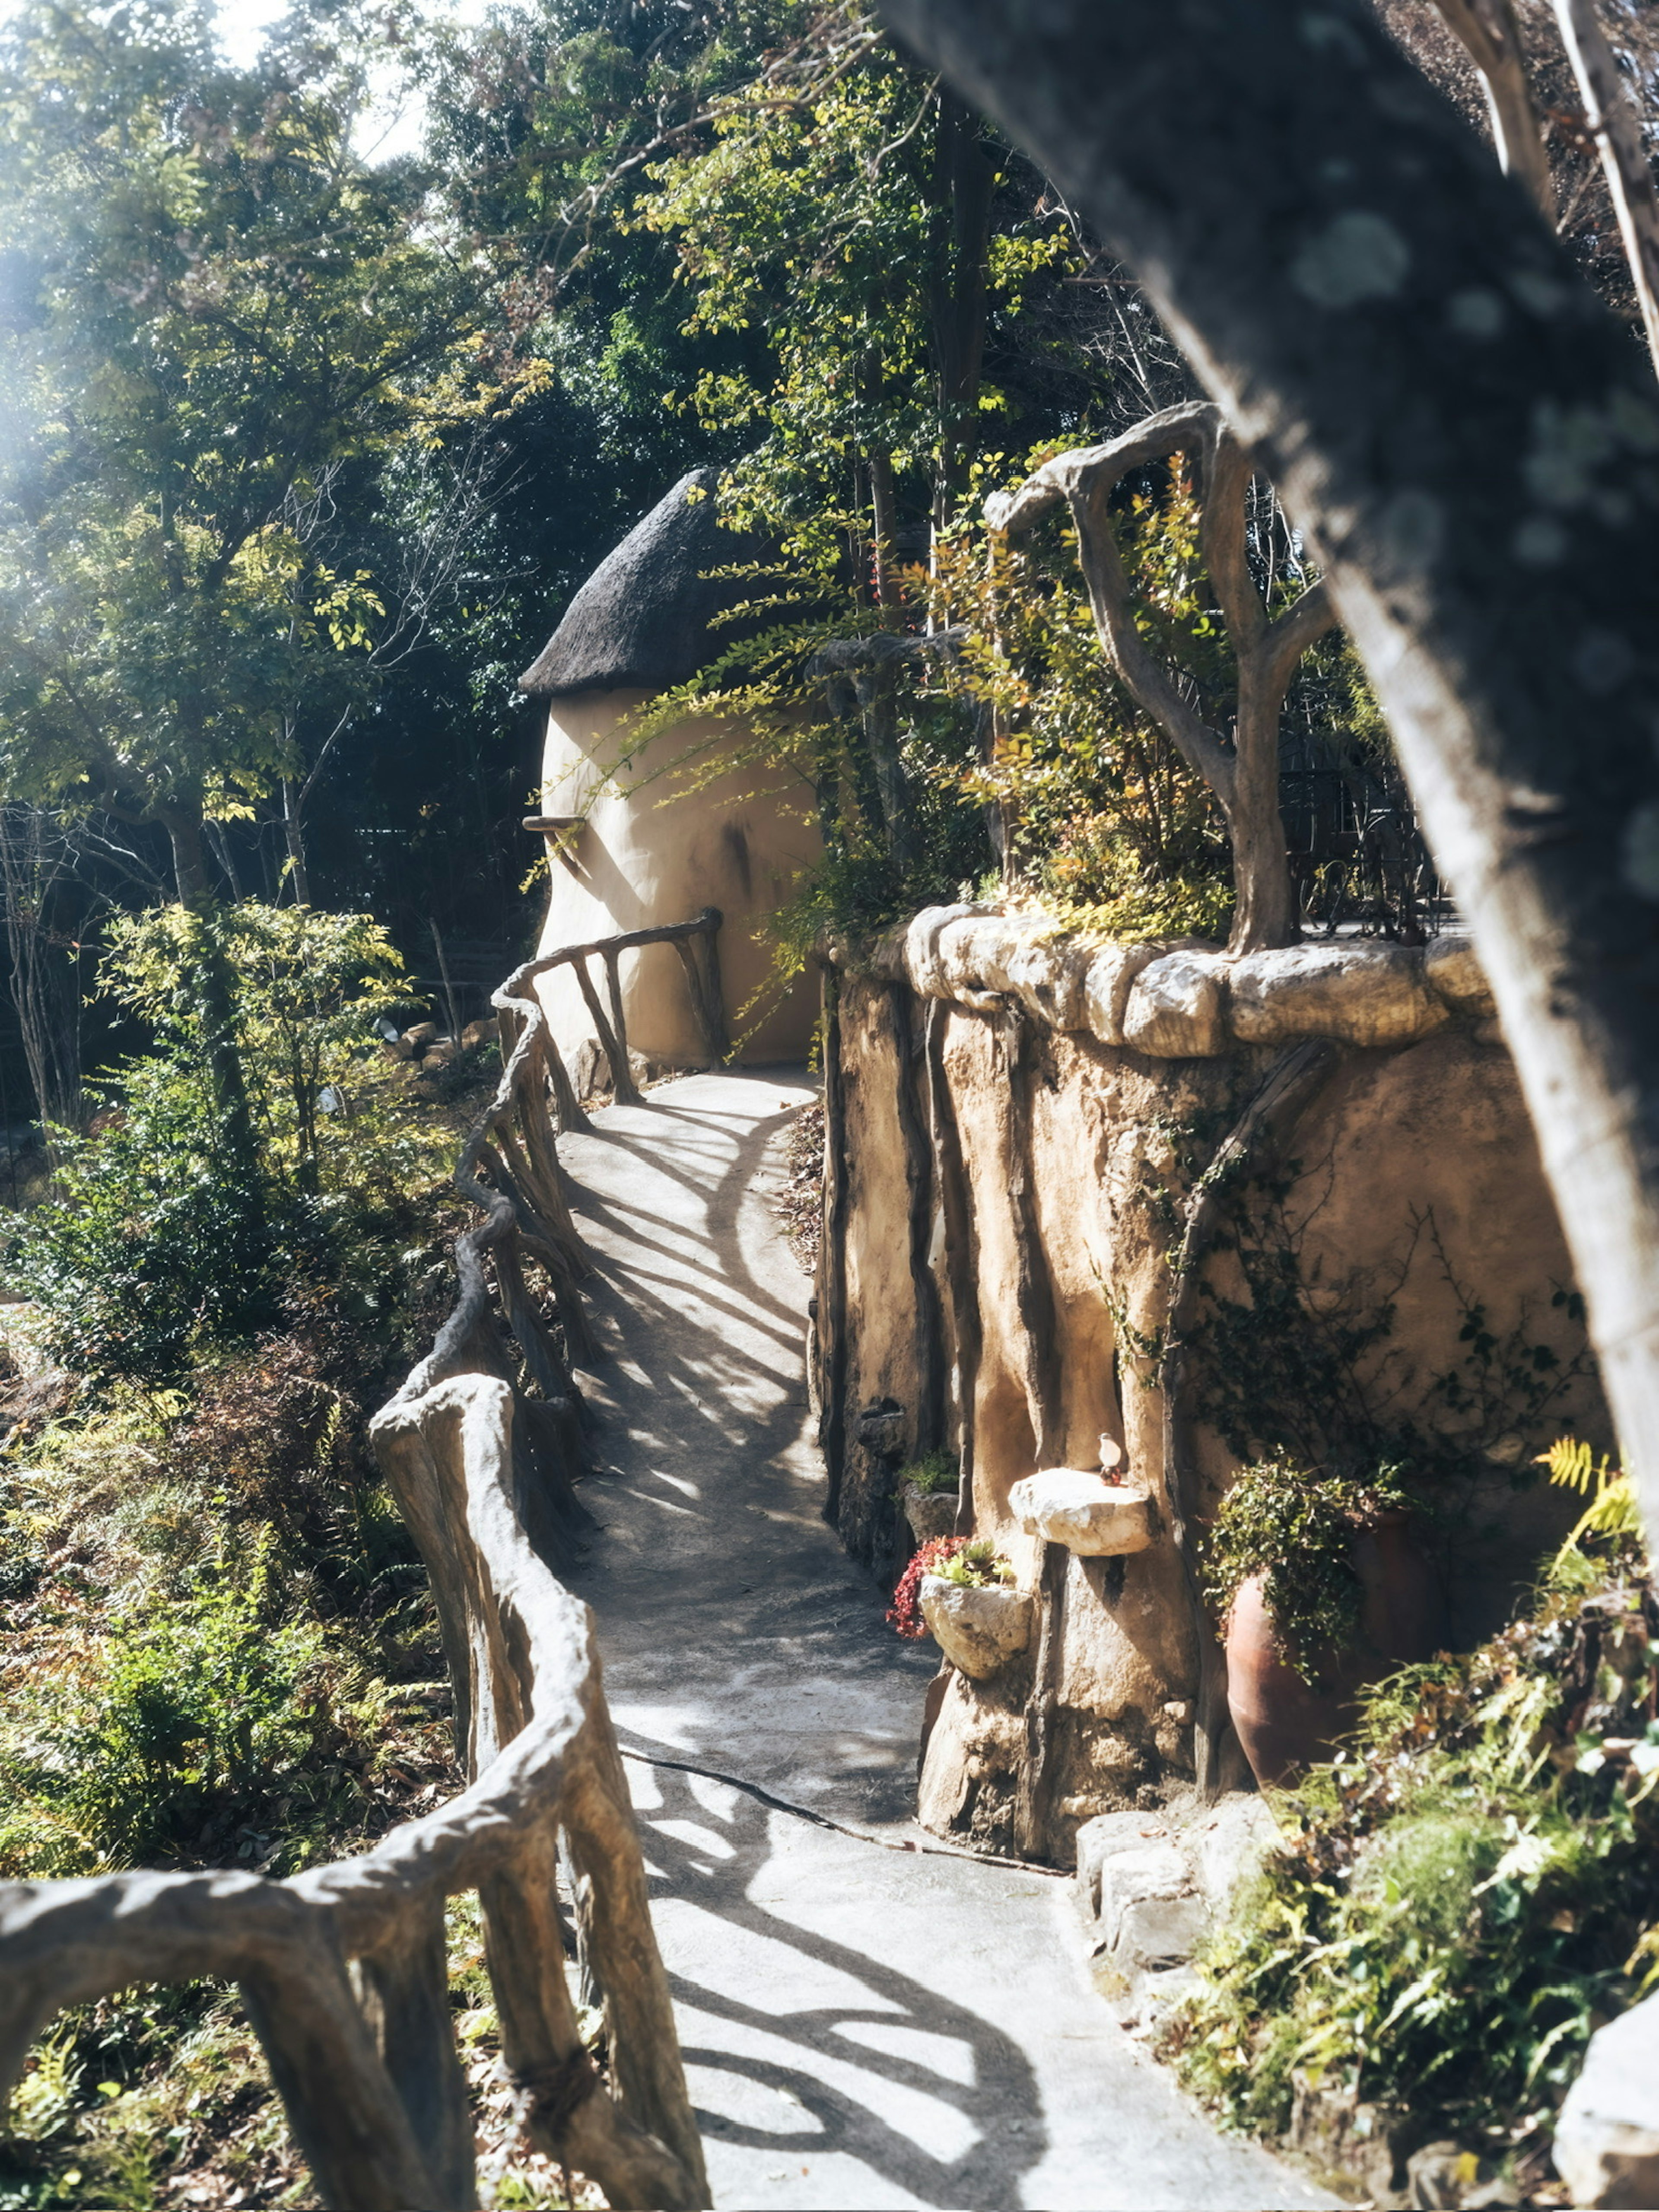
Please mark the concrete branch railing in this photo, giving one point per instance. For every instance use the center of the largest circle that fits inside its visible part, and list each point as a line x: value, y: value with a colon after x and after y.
x: 343, y: 1969
x: 702, y: 984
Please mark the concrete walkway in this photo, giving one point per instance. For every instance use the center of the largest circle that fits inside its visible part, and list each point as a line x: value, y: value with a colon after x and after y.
x: 864, y: 2027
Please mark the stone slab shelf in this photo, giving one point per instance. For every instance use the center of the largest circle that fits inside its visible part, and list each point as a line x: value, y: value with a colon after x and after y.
x: 1087, y: 1514
x: 1176, y: 999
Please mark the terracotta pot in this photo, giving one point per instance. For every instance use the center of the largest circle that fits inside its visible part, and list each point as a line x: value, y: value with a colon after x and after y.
x: 1283, y: 1722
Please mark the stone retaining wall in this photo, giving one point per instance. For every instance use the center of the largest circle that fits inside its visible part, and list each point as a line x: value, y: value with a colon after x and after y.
x: 1018, y: 1120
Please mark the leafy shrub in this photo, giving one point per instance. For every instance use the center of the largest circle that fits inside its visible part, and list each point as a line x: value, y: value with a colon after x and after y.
x: 275, y: 1438
x: 164, y: 1241
x: 1106, y: 823
x: 1457, y: 1902
x: 151, y: 1244
x: 940, y: 1471
x: 196, y: 1719
x: 1296, y: 1528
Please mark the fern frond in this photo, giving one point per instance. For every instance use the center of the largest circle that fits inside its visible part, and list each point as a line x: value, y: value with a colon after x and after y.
x: 1570, y: 1465
x: 1613, y: 1512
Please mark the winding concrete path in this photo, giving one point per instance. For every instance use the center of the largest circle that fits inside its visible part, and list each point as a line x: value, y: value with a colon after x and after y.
x: 864, y: 2027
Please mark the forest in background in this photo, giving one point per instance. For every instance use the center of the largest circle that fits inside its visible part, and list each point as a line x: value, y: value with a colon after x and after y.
x: 304, y: 456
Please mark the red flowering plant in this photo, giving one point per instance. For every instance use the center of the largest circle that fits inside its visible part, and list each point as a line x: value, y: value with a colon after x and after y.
x: 970, y: 1561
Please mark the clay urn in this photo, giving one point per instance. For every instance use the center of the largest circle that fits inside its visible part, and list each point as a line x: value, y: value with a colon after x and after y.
x: 1285, y: 1723
x: 979, y: 1630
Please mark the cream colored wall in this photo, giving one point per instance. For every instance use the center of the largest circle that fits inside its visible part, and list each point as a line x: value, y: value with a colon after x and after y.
x: 1412, y: 1182
x: 649, y: 854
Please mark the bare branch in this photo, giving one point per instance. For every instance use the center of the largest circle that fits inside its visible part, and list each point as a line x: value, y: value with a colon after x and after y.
x: 1618, y: 134
x: 1488, y: 31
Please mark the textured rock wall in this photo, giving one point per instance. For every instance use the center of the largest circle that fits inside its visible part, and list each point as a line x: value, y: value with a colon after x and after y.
x: 1006, y: 1179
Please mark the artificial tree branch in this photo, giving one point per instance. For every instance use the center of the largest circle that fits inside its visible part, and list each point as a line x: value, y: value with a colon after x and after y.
x: 1303, y: 623
x: 1145, y: 681
x: 1618, y: 134
x: 1223, y: 488
x: 1490, y: 37
x: 1244, y: 777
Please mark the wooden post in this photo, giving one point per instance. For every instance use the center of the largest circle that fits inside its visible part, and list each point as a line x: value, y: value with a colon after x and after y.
x: 622, y: 1081
x: 404, y: 1991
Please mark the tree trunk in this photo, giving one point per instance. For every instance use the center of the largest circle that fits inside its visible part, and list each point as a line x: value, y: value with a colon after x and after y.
x: 964, y: 180
x: 215, y: 997
x: 1265, y: 910
x: 45, y: 988
x: 293, y: 833
x: 1471, y: 445
x: 876, y: 691
x: 881, y: 523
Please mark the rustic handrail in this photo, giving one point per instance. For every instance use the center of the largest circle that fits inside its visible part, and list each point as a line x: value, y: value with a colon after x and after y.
x: 702, y: 980
x: 343, y: 1969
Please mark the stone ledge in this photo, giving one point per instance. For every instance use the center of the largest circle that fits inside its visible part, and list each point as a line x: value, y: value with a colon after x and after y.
x: 1084, y: 1511
x: 1176, y: 998
x: 1150, y: 1885
x: 978, y: 1629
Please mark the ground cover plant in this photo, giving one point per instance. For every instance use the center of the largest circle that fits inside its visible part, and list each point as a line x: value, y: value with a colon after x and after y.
x: 218, y: 1644
x: 1463, y: 1894
x: 970, y: 1562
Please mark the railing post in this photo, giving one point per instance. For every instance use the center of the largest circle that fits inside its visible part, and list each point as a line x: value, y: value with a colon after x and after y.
x: 345, y: 2114
x: 613, y: 982
x: 571, y: 1113
x: 404, y: 1989
x: 720, y: 1042
x: 621, y: 1080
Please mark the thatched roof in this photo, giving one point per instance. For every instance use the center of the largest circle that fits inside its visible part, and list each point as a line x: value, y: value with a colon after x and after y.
x: 642, y: 617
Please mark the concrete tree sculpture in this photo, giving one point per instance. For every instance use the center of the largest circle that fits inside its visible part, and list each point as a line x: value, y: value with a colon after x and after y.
x: 1242, y: 770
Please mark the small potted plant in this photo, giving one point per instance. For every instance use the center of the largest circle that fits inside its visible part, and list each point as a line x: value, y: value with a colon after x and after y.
x: 961, y: 1590
x: 1323, y: 1591
x: 929, y: 1491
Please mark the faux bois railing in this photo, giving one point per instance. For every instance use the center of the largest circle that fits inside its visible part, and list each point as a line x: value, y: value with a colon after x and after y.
x: 343, y: 1969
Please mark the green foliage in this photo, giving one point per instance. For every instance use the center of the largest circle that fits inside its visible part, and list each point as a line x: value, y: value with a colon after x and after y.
x: 1458, y: 1902
x: 204, y: 1717
x: 976, y: 1565
x: 131, y: 2096
x: 153, y: 1244
x: 217, y: 317
x: 1296, y: 1527
x: 1613, y: 1509
x: 159, y: 1244
x: 940, y: 1471
x: 822, y: 222
x: 306, y: 991
x: 1104, y: 822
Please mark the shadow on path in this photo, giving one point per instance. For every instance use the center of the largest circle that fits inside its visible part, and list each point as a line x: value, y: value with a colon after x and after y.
x: 797, y: 2044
